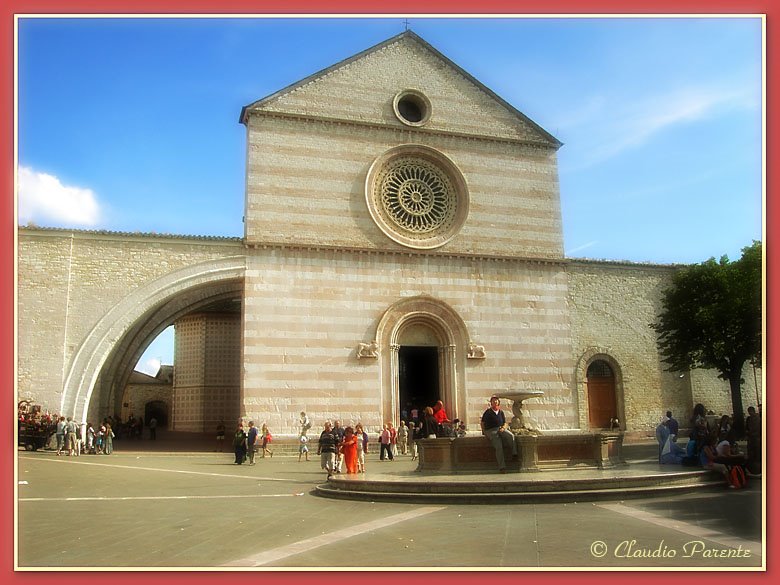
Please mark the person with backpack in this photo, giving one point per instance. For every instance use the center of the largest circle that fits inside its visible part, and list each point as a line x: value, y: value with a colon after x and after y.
x: 727, y: 455
x: 70, y: 437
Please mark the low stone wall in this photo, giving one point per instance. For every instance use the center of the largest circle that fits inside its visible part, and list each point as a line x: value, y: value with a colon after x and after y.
x: 536, y: 453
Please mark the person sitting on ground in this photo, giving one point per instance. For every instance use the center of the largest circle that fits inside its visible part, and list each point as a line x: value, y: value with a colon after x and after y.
x: 724, y: 427
x: 727, y: 452
x: 493, y: 424
x: 707, y: 456
x: 669, y: 452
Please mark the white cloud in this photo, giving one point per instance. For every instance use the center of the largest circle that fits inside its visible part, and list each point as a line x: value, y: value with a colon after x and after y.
x: 580, y: 248
x: 150, y: 367
x: 622, y: 124
x: 44, y: 199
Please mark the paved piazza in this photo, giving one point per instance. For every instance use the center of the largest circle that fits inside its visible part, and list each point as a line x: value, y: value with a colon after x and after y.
x: 145, y: 509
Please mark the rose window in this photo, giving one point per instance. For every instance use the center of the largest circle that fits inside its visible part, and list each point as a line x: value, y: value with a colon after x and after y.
x: 416, y: 195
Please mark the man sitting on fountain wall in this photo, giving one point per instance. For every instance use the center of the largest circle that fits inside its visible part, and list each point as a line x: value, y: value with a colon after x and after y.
x: 493, y: 425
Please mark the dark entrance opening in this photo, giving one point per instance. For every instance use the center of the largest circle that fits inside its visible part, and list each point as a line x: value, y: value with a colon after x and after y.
x: 157, y: 409
x: 418, y: 379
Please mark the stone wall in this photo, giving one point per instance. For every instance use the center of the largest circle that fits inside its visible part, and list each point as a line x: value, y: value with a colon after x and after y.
x: 136, y: 396
x: 612, y: 305
x: 306, y: 311
x: 68, y: 280
x: 207, y: 376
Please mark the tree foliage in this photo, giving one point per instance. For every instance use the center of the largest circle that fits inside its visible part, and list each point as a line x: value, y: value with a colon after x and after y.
x: 711, y: 318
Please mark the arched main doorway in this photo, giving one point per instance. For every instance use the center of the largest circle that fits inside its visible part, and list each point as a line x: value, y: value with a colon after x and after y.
x: 602, y: 401
x: 423, y: 344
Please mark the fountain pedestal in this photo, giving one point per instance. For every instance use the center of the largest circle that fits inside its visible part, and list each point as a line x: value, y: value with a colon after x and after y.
x: 517, y: 396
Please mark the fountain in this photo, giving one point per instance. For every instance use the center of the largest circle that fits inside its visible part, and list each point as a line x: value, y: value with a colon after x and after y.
x: 517, y: 425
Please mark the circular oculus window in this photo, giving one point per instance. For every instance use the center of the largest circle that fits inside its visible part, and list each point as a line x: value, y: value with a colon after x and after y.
x: 417, y: 196
x: 412, y: 107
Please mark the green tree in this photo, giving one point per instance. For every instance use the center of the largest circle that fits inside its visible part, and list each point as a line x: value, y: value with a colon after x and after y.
x: 711, y: 318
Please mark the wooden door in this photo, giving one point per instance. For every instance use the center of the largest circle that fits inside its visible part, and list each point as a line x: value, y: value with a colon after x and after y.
x: 602, y: 405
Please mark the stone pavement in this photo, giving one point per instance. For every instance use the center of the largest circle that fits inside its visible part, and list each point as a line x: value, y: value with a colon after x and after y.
x: 151, y: 507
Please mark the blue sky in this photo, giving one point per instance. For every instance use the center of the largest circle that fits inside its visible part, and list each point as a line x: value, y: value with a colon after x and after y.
x: 132, y: 124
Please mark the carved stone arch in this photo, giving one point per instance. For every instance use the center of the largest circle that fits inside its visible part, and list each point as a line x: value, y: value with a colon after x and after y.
x: 144, y: 312
x: 453, y: 340
x: 589, y: 356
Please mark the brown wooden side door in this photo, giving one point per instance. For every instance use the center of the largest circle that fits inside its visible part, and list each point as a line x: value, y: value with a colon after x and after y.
x: 601, y: 402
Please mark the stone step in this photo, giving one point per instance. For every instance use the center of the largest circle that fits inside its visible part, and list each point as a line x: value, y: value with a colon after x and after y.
x: 511, y: 493
x: 431, y: 483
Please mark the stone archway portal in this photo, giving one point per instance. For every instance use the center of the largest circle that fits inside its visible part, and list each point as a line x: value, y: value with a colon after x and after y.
x: 441, y: 339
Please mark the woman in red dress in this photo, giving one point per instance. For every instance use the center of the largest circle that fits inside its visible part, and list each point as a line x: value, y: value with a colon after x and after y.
x: 348, y: 448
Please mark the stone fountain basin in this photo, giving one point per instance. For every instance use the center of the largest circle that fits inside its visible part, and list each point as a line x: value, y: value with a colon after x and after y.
x: 520, y: 395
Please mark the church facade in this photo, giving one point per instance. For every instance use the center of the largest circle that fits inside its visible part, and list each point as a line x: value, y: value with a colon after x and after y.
x: 403, y: 244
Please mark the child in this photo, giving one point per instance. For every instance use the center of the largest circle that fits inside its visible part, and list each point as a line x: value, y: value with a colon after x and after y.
x: 266, y: 437
x: 362, y: 437
x: 303, y: 447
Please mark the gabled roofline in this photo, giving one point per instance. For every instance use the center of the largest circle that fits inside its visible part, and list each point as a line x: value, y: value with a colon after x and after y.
x: 414, y: 36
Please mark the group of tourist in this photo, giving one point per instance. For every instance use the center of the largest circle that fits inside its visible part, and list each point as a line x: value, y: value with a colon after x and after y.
x: 713, y: 445
x: 246, y: 442
x: 70, y: 440
x: 344, y: 449
x: 347, y: 447
x: 68, y: 437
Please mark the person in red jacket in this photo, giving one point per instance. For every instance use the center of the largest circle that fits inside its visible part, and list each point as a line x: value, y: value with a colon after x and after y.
x: 439, y: 413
